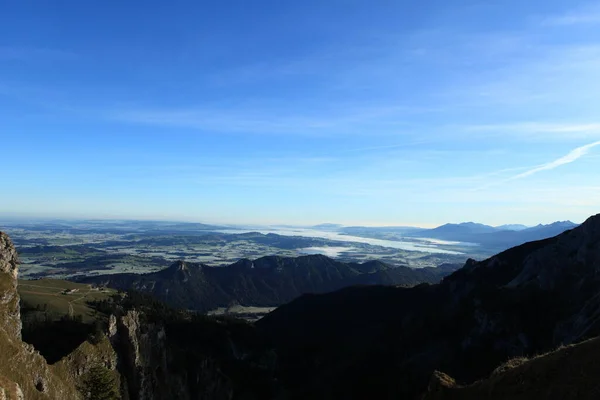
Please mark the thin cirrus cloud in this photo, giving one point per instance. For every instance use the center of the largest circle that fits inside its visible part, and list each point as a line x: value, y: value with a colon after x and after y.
x: 569, y: 158
x: 543, y: 77
x: 268, y: 121
x: 572, y: 156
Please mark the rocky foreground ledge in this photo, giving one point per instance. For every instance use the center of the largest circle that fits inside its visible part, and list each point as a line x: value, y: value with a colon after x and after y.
x: 24, y: 373
x: 144, y: 359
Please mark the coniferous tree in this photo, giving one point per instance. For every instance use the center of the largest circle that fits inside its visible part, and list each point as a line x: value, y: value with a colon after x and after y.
x: 100, y: 384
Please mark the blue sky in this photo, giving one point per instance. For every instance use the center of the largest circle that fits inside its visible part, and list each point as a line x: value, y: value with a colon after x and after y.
x: 355, y: 112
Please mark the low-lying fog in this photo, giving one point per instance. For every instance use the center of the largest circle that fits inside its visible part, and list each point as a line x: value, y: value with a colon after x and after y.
x: 415, y: 244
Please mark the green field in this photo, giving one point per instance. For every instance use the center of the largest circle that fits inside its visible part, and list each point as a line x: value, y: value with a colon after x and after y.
x: 62, y: 297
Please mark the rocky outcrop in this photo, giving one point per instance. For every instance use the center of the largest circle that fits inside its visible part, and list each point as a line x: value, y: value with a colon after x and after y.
x: 568, y: 373
x: 156, y: 367
x: 9, y: 298
x: 8, y: 256
x: 142, y: 350
x: 24, y: 373
x: 87, y: 356
x: 439, y: 383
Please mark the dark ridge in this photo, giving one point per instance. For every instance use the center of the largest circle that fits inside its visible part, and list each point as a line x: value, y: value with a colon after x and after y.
x: 266, y: 282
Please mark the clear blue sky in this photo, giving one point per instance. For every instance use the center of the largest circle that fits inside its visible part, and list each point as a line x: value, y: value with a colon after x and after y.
x: 356, y: 112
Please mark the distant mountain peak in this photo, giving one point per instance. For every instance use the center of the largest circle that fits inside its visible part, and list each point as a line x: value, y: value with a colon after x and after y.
x: 555, y: 223
x: 564, y: 223
x: 179, y: 270
x: 328, y: 227
x: 328, y: 224
x: 460, y: 228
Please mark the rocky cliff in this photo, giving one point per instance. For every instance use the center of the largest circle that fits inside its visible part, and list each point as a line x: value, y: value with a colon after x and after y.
x: 24, y: 373
x: 190, y: 358
x: 149, y: 352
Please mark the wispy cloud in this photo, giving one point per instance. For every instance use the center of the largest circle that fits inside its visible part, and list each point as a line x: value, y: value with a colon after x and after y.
x: 572, y: 156
x: 272, y: 119
x: 569, y: 158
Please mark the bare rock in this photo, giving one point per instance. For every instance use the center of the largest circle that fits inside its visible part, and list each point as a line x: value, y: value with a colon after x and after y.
x: 24, y: 373
x: 8, y: 256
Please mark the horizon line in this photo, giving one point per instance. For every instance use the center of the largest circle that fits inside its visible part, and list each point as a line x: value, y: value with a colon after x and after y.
x: 37, y: 218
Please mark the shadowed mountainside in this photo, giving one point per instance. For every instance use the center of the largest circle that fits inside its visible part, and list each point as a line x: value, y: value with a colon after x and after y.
x: 385, y: 342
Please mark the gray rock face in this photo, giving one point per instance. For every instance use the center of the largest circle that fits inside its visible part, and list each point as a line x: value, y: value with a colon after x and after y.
x: 143, y: 355
x: 112, y: 326
x: 148, y: 366
x: 8, y: 256
x: 10, y: 316
x: 24, y: 373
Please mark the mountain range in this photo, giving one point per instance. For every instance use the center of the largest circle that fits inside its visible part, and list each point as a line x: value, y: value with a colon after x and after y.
x: 265, y: 282
x: 449, y: 231
x: 477, y: 334
x: 495, y: 238
x: 489, y: 239
x: 464, y: 228
x: 386, y: 342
